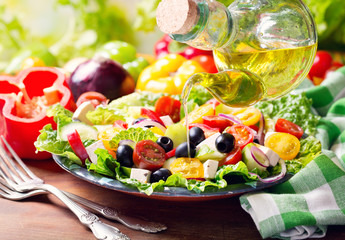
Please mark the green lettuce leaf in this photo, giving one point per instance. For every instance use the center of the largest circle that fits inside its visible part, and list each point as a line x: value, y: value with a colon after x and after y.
x: 47, y: 141
x: 310, y: 148
x: 134, y: 134
x: 295, y: 108
x: 106, y: 164
x: 61, y: 115
x: 103, y: 116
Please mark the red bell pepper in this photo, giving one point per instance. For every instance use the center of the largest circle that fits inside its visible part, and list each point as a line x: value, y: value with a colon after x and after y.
x: 23, y: 102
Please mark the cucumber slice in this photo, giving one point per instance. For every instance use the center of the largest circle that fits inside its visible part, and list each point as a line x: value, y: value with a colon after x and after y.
x: 249, y: 160
x: 85, y: 131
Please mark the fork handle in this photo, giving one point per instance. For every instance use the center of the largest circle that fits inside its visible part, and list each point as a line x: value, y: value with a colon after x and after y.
x: 135, y: 223
x: 100, y: 230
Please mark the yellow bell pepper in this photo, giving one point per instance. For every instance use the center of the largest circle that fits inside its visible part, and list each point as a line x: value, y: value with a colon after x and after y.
x: 168, y: 74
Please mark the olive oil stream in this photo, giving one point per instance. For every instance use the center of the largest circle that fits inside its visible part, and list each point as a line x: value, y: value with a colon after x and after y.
x: 248, y: 77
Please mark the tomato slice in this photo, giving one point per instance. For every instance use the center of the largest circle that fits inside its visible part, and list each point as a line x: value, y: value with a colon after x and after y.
x: 208, y: 131
x: 96, y: 98
x: 242, y: 134
x: 219, y: 122
x: 233, y: 157
x: 77, y: 146
x: 167, y: 105
x: 250, y: 116
x: 152, y: 115
x: 287, y: 146
x: 188, y: 167
x: 283, y: 125
x: 148, y: 155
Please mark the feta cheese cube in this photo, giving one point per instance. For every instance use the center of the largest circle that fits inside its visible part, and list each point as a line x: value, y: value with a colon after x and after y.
x: 210, y: 169
x: 92, y: 148
x: 80, y: 113
x: 142, y: 175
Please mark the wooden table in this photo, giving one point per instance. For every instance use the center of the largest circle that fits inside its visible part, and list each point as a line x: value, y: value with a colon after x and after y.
x: 45, y: 217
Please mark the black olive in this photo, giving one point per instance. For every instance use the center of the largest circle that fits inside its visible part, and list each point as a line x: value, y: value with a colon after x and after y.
x: 160, y: 174
x: 225, y: 143
x: 196, y: 135
x: 166, y: 143
x: 124, y: 155
x: 182, y: 150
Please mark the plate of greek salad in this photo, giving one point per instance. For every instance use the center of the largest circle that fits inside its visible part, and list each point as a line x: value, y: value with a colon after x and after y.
x: 139, y: 144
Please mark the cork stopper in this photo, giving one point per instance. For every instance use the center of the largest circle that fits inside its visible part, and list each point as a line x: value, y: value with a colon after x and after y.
x: 176, y: 16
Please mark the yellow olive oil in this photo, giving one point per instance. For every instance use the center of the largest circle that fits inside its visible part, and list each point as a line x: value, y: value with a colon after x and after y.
x: 279, y: 70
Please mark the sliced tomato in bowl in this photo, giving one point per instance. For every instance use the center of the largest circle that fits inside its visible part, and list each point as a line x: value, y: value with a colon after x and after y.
x: 242, y: 134
x: 283, y: 125
x: 148, y: 155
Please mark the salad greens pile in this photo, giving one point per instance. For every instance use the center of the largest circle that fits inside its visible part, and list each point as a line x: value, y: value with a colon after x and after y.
x: 107, y: 165
x: 71, y: 28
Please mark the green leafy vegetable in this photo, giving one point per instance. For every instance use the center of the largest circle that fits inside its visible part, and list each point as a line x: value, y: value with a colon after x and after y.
x: 106, y: 164
x: 48, y: 141
x: 134, y: 134
x: 310, y: 148
x: 103, y: 116
x: 61, y: 115
x: 295, y: 108
x: 68, y: 28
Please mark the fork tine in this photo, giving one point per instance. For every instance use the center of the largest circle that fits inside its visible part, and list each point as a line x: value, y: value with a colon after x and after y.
x: 19, y: 161
x: 5, y: 169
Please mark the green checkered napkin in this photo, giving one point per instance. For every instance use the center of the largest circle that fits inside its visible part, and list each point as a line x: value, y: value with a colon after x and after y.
x: 314, y: 198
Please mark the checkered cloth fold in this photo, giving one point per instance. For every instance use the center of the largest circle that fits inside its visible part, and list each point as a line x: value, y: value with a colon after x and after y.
x: 314, y: 198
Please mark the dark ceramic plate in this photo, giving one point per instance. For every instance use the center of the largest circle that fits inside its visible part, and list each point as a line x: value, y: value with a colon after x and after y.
x: 169, y: 193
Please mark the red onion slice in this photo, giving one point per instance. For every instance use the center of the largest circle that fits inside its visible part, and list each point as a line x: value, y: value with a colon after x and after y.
x: 259, y: 156
x: 261, y: 135
x: 273, y: 178
x: 149, y: 122
x: 127, y: 142
x: 231, y: 118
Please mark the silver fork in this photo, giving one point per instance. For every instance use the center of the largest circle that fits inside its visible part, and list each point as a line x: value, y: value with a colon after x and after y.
x: 110, y: 213
x: 22, y: 180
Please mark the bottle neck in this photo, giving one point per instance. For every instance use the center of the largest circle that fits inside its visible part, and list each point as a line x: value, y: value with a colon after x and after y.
x: 212, y: 30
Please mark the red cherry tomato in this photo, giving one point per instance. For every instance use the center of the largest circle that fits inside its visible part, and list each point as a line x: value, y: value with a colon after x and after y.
x: 96, y: 98
x: 322, y: 62
x: 167, y: 105
x: 242, y: 134
x: 214, y: 121
x: 207, y: 62
x: 77, y: 146
x: 233, y: 157
x: 152, y: 115
x: 148, y: 155
x: 191, y: 52
x: 283, y: 125
x: 208, y: 131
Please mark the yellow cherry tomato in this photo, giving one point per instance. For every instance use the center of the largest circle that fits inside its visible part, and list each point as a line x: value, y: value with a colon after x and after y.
x: 285, y: 145
x: 188, y: 167
x: 196, y: 115
x: 250, y: 116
